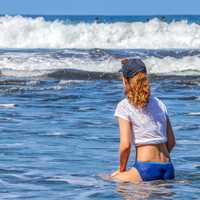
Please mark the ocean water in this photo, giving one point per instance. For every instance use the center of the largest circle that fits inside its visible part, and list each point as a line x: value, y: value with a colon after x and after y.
x: 59, y: 86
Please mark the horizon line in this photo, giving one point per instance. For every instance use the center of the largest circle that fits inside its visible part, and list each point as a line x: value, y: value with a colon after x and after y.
x: 128, y: 15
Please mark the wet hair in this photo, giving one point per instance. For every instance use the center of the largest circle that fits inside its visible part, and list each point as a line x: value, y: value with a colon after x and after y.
x: 138, y: 90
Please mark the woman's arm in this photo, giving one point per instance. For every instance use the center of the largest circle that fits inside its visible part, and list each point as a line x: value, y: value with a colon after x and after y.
x: 171, y: 140
x: 125, y: 128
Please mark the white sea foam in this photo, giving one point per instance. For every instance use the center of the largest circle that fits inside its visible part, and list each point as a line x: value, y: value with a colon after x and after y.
x: 55, y: 134
x: 171, y: 65
x: 66, y: 82
x: 7, y: 105
x: 194, y: 113
x: 82, y: 181
x: 27, y: 32
x: 35, y: 64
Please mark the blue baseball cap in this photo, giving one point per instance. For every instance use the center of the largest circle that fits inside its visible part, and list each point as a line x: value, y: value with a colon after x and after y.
x: 130, y: 67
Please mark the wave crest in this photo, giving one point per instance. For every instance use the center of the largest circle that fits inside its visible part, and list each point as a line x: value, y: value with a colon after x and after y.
x: 26, y: 64
x: 27, y: 32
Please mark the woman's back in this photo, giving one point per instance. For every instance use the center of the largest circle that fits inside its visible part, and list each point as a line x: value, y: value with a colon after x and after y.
x: 152, y: 153
x: 149, y: 124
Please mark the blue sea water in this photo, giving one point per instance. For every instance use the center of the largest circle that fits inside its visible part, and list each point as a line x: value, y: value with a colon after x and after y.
x: 59, y: 87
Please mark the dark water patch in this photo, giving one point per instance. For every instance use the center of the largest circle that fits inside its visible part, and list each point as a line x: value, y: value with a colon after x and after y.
x: 197, y: 166
x: 186, y: 98
x: 177, y: 78
x: 64, y: 97
x: 82, y: 75
x: 189, y: 127
x: 11, y: 171
x: 12, y: 82
x: 182, y: 98
x: 192, y: 158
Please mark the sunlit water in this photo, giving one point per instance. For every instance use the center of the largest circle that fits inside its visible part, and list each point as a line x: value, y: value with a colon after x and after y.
x: 58, y: 135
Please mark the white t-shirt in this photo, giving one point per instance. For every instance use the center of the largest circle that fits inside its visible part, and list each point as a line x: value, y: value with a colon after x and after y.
x: 149, y: 124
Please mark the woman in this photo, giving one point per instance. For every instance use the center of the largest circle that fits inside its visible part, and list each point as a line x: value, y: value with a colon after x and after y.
x: 143, y: 121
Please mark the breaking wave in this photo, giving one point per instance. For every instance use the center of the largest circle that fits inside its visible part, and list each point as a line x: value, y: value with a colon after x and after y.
x: 26, y: 64
x: 27, y: 32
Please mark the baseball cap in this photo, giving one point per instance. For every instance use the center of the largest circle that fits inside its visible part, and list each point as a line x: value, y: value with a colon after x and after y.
x: 130, y: 67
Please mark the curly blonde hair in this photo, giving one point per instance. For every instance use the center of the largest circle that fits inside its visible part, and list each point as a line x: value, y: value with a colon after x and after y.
x: 138, y: 90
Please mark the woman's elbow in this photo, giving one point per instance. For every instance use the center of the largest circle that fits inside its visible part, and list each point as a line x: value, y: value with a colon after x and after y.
x: 171, y: 145
x: 125, y: 146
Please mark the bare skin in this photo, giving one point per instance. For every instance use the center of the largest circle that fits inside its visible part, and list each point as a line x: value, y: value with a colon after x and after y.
x: 146, y: 153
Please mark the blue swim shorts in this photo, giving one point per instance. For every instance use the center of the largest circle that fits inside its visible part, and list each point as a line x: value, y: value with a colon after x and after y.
x: 150, y: 171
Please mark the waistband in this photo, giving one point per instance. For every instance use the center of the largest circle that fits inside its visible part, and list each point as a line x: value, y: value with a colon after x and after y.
x: 156, y: 163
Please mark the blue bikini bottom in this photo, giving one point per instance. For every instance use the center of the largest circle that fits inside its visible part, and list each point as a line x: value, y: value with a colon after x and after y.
x: 150, y: 171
